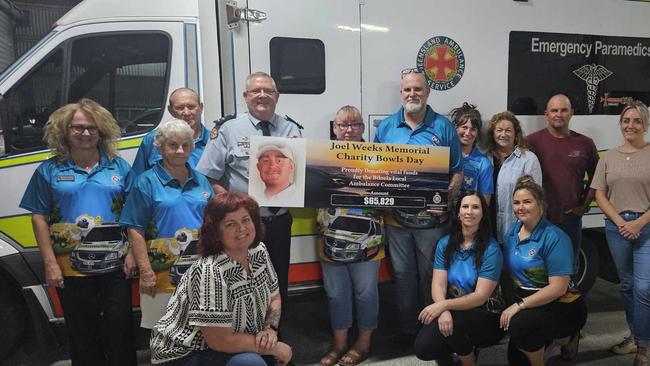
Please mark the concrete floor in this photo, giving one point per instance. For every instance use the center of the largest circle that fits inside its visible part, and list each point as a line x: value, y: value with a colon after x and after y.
x: 307, y: 330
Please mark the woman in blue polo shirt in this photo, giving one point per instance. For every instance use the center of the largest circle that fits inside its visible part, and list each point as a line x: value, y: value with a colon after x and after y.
x: 468, y: 262
x: 163, y: 215
x: 539, y: 258
x: 75, y: 198
x: 477, y: 168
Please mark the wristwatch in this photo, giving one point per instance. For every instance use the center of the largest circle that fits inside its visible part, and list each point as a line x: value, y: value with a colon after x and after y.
x: 521, y: 304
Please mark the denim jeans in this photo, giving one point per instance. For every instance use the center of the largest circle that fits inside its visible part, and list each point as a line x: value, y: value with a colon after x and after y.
x: 632, y: 258
x: 411, y: 253
x: 342, y: 281
x: 572, y: 226
x: 209, y: 357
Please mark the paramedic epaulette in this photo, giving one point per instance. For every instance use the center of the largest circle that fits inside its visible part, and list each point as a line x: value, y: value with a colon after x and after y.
x: 218, y: 123
x: 294, y: 122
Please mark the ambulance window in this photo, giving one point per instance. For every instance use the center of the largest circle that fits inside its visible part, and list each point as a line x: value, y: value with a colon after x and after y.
x: 126, y: 73
x: 30, y: 102
x: 298, y: 65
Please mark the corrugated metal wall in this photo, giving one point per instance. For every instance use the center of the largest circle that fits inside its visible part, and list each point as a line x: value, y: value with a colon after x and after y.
x: 41, y: 19
x: 6, y: 40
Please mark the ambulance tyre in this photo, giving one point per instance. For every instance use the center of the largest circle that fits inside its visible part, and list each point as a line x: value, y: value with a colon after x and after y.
x: 13, y: 317
x: 589, y: 263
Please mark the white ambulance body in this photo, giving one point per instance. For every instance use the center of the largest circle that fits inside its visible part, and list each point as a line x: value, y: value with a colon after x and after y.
x: 129, y: 55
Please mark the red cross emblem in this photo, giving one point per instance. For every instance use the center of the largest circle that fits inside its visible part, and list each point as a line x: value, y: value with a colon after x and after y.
x: 441, y: 63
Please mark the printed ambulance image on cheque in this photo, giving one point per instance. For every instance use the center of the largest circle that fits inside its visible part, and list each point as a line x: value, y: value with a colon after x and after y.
x: 277, y: 171
x: 365, y: 174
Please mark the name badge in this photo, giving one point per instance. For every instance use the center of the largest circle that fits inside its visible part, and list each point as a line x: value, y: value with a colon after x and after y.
x: 65, y: 178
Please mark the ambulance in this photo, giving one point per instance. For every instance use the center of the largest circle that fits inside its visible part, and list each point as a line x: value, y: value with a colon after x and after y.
x: 129, y: 55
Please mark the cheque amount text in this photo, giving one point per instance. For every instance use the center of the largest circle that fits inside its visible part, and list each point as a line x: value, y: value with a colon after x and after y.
x: 379, y: 201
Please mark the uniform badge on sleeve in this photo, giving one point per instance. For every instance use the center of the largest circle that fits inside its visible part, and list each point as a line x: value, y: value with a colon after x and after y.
x: 214, y: 133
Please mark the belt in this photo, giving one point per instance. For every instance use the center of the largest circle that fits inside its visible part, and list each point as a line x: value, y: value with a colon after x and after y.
x: 269, y: 219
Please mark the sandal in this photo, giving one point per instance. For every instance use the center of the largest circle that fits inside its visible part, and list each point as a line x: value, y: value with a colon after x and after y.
x: 356, y: 357
x: 331, y: 358
x: 569, y: 351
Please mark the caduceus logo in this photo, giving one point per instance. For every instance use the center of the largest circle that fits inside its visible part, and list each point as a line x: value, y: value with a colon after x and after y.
x: 592, y: 74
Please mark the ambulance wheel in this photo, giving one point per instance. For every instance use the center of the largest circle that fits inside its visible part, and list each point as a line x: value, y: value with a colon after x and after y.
x: 13, y: 317
x: 589, y: 263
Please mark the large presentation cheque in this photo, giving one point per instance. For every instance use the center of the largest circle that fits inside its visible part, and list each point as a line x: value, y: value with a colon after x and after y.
x: 348, y: 174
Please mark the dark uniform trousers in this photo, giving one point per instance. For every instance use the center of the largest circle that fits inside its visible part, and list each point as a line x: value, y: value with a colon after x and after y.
x: 278, y: 243
x: 99, y: 319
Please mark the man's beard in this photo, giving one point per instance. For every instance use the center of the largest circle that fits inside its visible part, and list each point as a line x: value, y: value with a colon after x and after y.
x: 412, y: 108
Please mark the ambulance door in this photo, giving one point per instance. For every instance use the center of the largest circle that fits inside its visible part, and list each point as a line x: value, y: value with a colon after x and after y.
x: 312, y: 50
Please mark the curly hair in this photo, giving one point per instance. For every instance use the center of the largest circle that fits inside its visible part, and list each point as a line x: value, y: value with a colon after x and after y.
x: 520, y: 138
x: 216, y: 210
x: 173, y: 128
x: 456, y: 239
x: 528, y: 183
x: 460, y: 115
x: 58, y: 128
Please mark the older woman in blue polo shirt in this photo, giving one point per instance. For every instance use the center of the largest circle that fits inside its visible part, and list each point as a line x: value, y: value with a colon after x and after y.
x: 539, y: 258
x: 163, y: 214
x: 72, y: 196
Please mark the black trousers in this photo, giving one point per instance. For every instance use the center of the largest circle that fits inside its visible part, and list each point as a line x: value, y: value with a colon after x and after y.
x: 532, y: 329
x: 278, y: 242
x: 472, y: 328
x: 99, y: 320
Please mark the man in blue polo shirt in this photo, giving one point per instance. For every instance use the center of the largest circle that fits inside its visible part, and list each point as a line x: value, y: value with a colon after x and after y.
x: 184, y: 104
x: 412, y: 248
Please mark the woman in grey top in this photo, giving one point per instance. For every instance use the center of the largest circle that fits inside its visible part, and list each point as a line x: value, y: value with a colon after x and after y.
x: 622, y: 184
x: 506, y: 145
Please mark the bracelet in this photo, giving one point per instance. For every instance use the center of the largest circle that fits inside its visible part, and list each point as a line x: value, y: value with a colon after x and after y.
x: 521, y: 304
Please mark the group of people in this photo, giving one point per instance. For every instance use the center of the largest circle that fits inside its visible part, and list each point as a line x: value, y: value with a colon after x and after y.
x: 213, y: 264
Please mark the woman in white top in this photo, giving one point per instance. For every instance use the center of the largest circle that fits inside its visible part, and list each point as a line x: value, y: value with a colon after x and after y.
x: 511, y: 158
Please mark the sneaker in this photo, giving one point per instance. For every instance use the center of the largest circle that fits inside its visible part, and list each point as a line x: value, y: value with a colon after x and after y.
x: 625, y: 347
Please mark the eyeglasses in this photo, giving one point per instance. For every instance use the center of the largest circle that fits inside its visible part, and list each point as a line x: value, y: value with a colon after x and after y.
x: 354, y: 126
x: 412, y: 70
x: 256, y: 92
x: 79, y: 129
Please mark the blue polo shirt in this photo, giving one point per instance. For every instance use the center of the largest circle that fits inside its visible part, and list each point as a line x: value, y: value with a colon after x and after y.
x: 547, y: 252
x: 477, y: 173
x: 75, y: 199
x: 169, y: 212
x: 434, y: 130
x: 148, y: 155
x: 462, y: 273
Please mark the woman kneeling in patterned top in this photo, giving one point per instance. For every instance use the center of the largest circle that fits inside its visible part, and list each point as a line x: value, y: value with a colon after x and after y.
x: 226, y: 308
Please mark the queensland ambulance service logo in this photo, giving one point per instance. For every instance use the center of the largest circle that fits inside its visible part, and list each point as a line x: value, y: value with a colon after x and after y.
x: 442, y: 61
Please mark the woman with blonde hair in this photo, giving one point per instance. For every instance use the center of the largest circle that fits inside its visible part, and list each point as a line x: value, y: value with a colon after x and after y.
x: 75, y: 196
x: 350, y: 275
x: 622, y: 184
